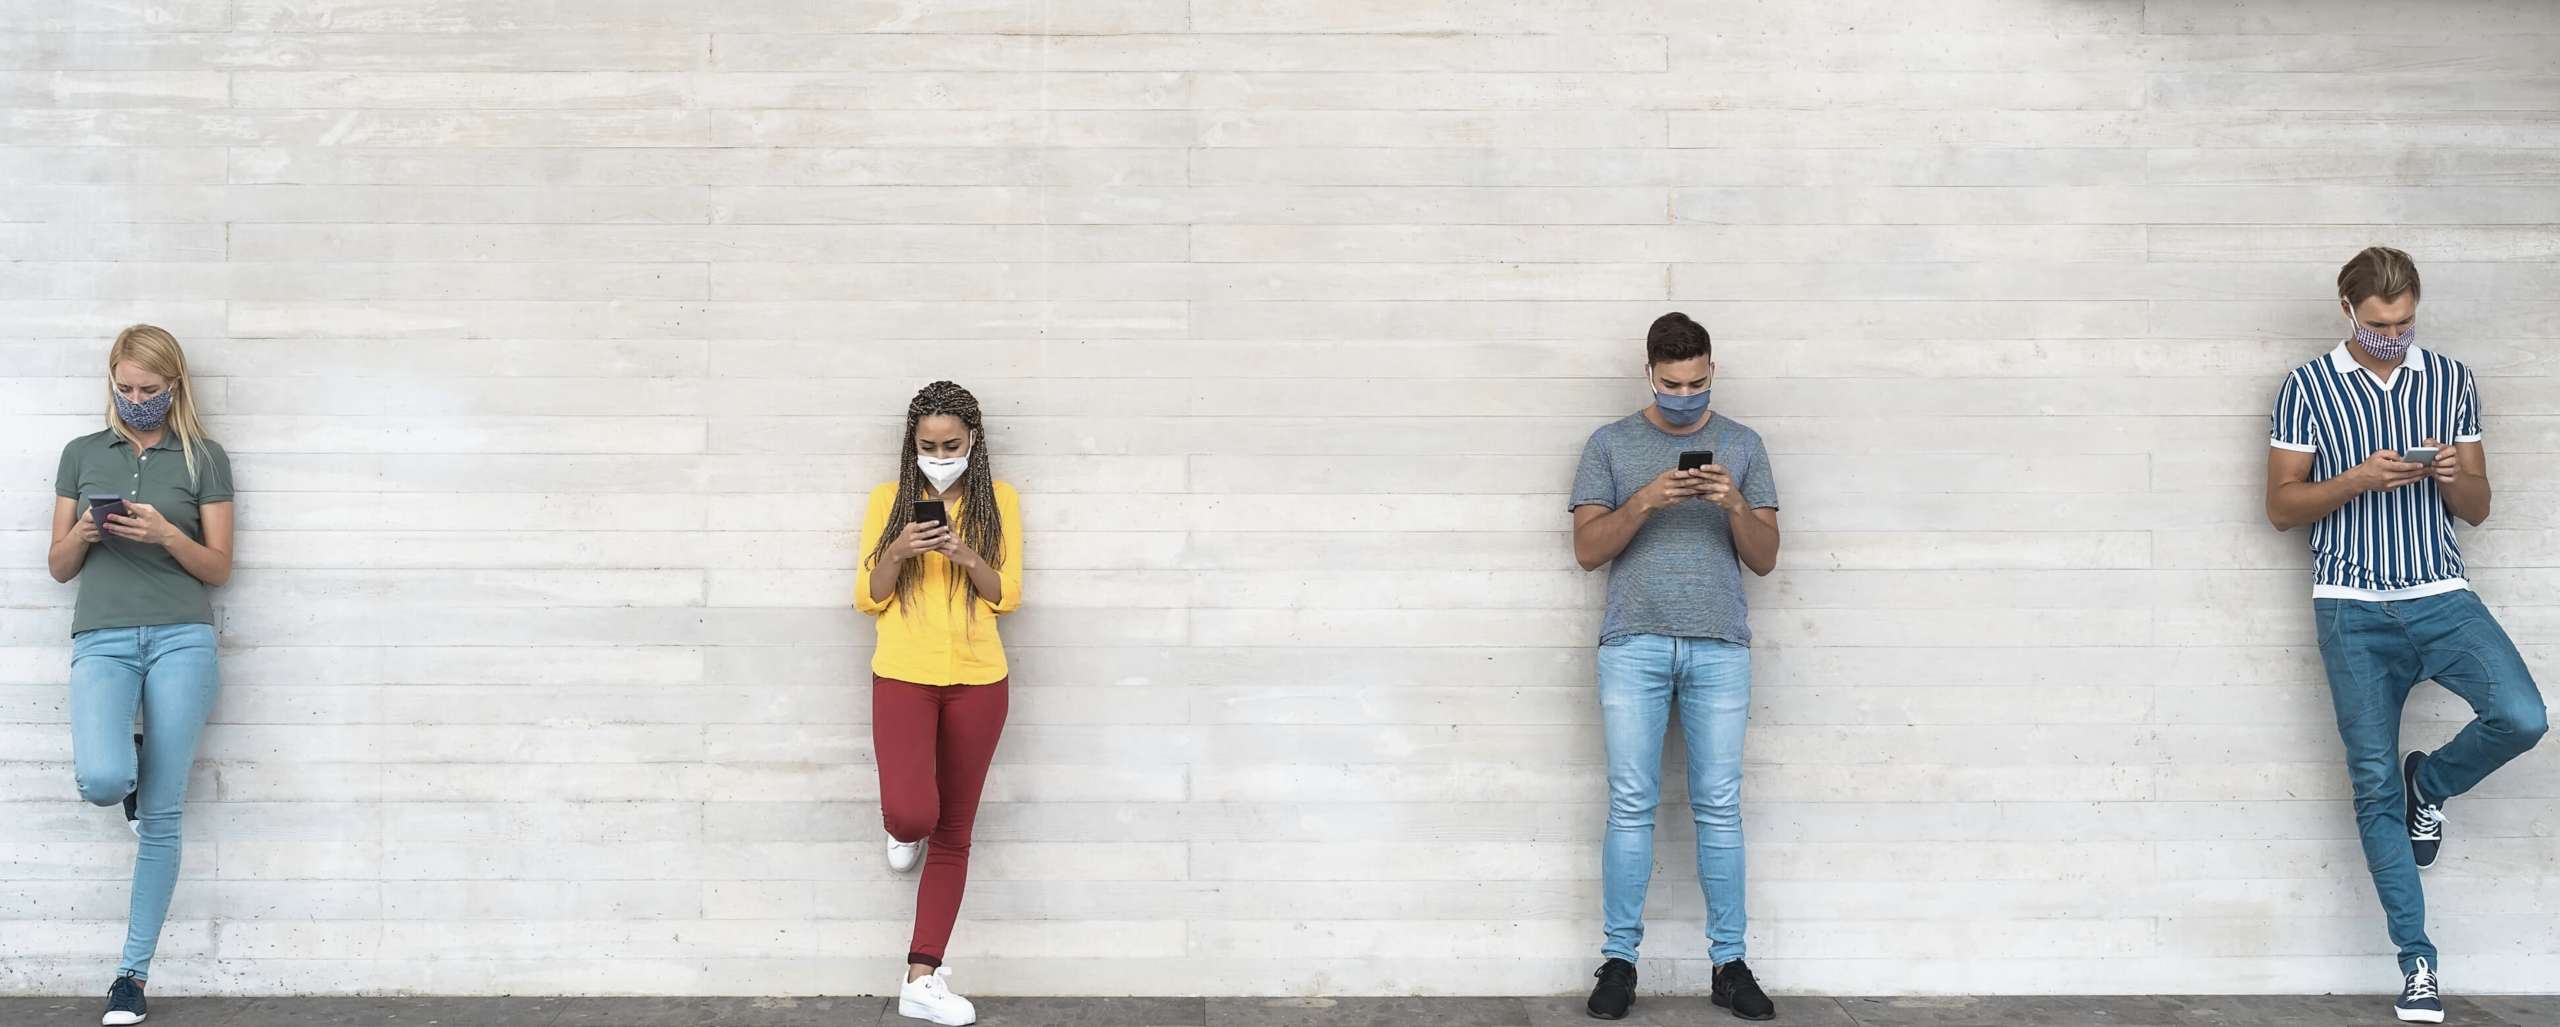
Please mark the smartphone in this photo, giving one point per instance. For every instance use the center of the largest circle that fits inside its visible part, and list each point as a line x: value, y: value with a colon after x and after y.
x: 930, y: 510
x: 2421, y: 455
x: 103, y: 507
x: 1697, y: 458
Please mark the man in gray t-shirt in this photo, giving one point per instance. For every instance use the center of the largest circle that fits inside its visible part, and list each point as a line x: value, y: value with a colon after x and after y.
x: 1676, y: 634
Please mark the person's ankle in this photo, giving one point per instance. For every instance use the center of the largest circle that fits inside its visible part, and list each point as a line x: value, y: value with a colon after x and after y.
x: 917, y: 972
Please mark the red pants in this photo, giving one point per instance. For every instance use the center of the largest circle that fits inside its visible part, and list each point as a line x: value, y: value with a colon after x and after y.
x: 934, y: 745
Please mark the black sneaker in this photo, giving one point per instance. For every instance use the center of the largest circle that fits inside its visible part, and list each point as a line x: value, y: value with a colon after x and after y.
x: 124, y: 1002
x: 1737, y: 990
x: 2419, y: 1002
x: 1616, y: 990
x: 2426, y: 819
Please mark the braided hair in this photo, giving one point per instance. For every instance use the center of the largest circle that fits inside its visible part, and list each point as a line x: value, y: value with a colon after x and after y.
x: 980, y: 525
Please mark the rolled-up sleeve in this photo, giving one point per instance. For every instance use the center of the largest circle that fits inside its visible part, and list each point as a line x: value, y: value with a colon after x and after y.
x: 875, y: 519
x: 1009, y: 507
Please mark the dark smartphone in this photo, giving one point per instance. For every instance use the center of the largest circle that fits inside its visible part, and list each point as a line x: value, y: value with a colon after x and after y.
x: 103, y: 507
x: 1696, y: 458
x: 930, y: 510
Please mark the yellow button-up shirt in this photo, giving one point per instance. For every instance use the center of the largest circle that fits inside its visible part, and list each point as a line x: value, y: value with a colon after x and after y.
x: 945, y: 638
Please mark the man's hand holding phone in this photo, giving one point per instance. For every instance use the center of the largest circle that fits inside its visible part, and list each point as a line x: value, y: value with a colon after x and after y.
x: 2446, y: 466
x: 1715, y: 485
x: 1668, y: 489
x: 2385, y: 470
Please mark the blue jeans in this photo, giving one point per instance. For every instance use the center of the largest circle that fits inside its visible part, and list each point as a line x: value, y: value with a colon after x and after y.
x: 1640, y: 678
x: 2375, y: 654
x: 167, y: 671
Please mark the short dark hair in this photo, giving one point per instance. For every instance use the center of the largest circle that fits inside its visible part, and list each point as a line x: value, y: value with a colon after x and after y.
x: 2378, y: 271
x: 1674, y: 338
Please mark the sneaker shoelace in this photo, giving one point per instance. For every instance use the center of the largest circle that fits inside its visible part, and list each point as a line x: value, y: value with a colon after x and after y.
x: 2430, y: 824
x: 2422, y: 983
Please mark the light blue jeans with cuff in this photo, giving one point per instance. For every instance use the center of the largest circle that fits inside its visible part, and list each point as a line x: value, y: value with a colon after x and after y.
x: 1642, y: 679
x: 167, y: 672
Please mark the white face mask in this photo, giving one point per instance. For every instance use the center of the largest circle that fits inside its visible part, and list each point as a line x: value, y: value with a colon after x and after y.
x: 942, y: 471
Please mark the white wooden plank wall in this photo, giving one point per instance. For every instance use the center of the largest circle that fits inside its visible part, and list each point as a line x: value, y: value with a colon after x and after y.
x: 555, y: 342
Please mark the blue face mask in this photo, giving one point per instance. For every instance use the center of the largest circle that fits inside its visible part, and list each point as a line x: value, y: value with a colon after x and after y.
x: 148, y: 414
x: 1682, y: 409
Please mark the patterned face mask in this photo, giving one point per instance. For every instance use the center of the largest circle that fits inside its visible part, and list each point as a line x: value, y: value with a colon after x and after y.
x: 148, y: 414
x: 2385, y: 348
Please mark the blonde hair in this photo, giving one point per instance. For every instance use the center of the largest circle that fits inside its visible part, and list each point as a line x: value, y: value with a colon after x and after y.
x: 2378, y: 271
x: 153, y: 349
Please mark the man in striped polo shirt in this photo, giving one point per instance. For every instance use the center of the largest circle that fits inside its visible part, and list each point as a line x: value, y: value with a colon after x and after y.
x: 2388, y: 595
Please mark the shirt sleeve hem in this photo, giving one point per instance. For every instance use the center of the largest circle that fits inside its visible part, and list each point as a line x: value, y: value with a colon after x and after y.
x: 2466, y: 438
x: 2292, y: 447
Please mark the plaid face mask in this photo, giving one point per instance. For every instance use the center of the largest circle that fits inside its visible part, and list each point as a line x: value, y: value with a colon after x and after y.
x: 2385, y: 348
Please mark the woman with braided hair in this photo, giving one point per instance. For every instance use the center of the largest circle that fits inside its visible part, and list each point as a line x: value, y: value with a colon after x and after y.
x: 935, y: 588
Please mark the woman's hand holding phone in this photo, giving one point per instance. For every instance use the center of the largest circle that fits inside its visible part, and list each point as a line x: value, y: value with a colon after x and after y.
x: 919, y: 538
x: 139, y: 522
x: 958, y: 552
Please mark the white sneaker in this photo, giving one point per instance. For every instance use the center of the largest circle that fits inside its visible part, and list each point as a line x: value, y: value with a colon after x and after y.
x: 903, y: 856
x: 929, y: 998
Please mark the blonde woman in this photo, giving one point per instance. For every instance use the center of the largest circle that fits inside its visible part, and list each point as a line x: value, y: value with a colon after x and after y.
x: 142, y: 516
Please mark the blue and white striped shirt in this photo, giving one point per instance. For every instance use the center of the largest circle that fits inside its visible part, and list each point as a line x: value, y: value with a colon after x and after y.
x: 2380, y: 546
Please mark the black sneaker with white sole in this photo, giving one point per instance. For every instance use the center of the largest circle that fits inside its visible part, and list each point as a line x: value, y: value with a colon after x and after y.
x: 2419, y: 1002
x: 124, y: 1002
x: 1615, y: 992
x: 2426, y: 819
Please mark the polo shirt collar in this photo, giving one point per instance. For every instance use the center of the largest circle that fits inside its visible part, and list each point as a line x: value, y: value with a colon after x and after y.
x: 168, y: 440
x: 2414, y: 361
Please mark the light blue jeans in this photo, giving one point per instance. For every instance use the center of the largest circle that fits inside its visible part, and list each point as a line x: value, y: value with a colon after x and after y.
x: 2376, y: 653
x: 1641, y: 677
x: 167, y: 672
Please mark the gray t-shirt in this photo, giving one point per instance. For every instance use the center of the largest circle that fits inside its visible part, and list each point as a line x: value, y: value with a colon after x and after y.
x: 1679, y: 575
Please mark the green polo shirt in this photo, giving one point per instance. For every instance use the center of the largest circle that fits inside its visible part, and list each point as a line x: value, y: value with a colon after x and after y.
x: 126, y: 584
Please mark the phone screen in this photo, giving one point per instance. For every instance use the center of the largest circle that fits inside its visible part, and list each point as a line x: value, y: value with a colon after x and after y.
x: 103, y: 507
x: 930, y: 510
x: 1696, y: 458
x: 2420, y: 455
